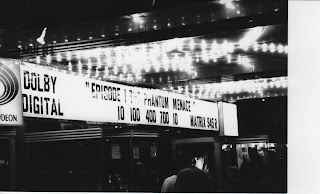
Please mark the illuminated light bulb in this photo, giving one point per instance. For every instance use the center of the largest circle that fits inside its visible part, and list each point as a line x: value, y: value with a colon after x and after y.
x: 157, y: 66
x: 130, y: 29
x: 255, y: 46
x: 191, y: 44
x: 19, y: 46
x: 78, y: 55
x: 106, y: 71
x: 102, y: 35
x: 230, y: 48
x: 70, y: 66
x: 48, y: 58
x: 38, y: 59
x: 115, y: 70
x: 214, y: 58
x: 66, y: 40
x: 214, y: 47
x: 136, y: 18
x: 239, y: 60
x: 264, y: 47
x: 203, y: 45
x: 205, y: 56
x: 124, y: 69
x: 30, y: 44
x: 99, y: 63
x: 229, y: 58
x: 238, y: 12
x: 272, y: 48
x: 68, y: 56
x: 280, y: 48
x: 59, y: 57
x: 147, y: 68
x: 224, y: 47
x: 286, y: 49
x: 90, y: 37
x: 89, y: 64
x: 80, y: 67
x: 169, y: 25
x: 179, y: 44
x: 155, y: 27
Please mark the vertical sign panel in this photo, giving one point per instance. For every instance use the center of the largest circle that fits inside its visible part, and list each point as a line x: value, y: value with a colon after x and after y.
x: 10, y: 93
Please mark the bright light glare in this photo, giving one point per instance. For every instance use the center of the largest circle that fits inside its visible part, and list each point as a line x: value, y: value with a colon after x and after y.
x: 38, y: 59
x: 191, y: 44
x: 272, y: 48
x: 59, y: 57
x: 251, y: 36
x: 203, y: 45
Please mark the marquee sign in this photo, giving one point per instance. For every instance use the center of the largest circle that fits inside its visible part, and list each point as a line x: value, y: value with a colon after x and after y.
x: 10, y: 93
x: 48, y: 93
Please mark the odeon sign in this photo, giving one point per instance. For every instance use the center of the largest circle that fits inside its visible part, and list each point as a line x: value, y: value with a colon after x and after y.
x: 9, y: 84
x: 10, y: 93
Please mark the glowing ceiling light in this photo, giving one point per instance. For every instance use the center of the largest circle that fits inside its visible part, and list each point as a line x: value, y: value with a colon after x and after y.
x: 214, y: 47
x: 169, y: 25
x: 38, y: 59
x: 239, y: 60
x: 70, y: 66
x: 214, y: 58
x: 147, y: 68
x: 203, y: 45
x: 68, y: 56
x: 48, y: 58
x: 251, y: 36
x: 180, y: 44
x: 228, y: 58
x: 89, y: 64
x: 59, y: 57
x: 280, y: 48
x: 205, y: 56
x: 272, y: 48
x: 264, y: 47
x: 191, y: 44
x: 115, y: 70
x: 99, y: 63
x: 124, y: 69
x: 224, y: 47
x: 137, y: 18
x: 227, y: 3
x: 80, y: 67
x: 78, y: 55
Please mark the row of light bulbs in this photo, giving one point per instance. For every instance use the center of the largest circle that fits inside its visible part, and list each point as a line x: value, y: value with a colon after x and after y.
x: 250, y: 88
x: 152, y: 51
x: 156, y: 56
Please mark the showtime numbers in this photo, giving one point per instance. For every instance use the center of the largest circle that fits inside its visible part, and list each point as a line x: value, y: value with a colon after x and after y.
x: 164, y: 117
x: 151, y: 116
x: 135, y: 114
x: 120, y: 113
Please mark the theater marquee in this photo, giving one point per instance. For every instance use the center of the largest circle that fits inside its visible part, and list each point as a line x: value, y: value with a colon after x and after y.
x: 48, y: 93
x: 10, y: 93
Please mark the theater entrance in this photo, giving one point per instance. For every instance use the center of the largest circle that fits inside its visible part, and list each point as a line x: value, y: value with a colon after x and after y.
x: 131, y: 162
